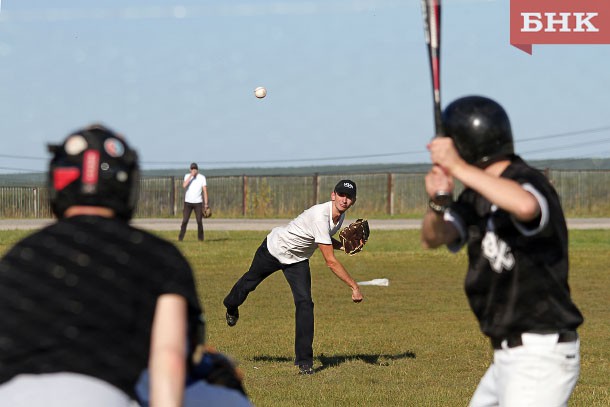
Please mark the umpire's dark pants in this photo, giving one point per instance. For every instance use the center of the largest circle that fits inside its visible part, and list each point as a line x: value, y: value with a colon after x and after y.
x: 299, y: 278
x: 186, y: 214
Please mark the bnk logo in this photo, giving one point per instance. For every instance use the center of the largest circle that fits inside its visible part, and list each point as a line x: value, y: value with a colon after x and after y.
x: 559, y: 22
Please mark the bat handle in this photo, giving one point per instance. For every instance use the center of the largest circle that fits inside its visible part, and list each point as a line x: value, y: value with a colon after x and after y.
x: 438, y: 121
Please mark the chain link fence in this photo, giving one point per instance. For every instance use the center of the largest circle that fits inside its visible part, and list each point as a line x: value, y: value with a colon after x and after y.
x: 583, y: 193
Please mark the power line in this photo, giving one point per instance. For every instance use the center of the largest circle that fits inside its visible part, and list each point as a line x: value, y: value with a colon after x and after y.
x: 571, y: 133
x: 601, y: 141
x: 295, y: 159
x: 363, y: 156
x: 20, y: 169
x: 24, y: 157
x: 554, y: 136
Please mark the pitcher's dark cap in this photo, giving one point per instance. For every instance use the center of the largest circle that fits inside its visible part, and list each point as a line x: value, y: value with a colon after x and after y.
x: 347, y: 187
x: 194, y: 166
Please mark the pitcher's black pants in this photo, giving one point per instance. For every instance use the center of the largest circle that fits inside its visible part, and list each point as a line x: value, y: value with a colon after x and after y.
x: 299, y: 278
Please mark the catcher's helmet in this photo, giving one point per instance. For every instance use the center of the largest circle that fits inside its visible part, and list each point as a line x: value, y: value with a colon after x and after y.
x: 94, y: 166
x: 480, y: 130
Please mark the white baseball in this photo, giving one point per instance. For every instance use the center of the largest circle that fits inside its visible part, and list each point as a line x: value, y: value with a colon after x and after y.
x: 260, y: 92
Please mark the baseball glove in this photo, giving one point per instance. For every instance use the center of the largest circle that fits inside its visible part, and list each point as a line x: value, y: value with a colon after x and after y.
x: 354, y: 237
x: 207, y: 212
x: 216, y: 368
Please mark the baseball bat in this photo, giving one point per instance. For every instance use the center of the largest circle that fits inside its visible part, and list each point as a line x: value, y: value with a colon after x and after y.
x: 431, y: 10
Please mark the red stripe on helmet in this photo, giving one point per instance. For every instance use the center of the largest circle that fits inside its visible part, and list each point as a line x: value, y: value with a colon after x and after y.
x: 62, y: 177
x: 91, y: 165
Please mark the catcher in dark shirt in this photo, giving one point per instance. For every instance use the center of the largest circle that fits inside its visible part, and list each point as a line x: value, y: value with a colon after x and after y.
x: 89, y: 302
x: 510, y: 218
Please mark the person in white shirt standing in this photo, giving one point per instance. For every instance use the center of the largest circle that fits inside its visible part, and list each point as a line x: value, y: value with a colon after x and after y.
x: 195, y: 199
x: 288, y: 248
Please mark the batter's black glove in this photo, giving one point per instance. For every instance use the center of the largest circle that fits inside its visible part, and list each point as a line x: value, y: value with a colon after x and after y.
x: 354, y: 237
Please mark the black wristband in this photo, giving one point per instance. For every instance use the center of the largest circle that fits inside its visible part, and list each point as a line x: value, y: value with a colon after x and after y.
x: 440, y: 202
x: 440, y: 209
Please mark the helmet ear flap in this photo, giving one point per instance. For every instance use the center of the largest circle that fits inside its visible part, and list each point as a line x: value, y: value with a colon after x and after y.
x: 480, y: 129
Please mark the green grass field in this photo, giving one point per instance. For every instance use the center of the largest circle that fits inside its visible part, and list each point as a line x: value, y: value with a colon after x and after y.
x: 413, y: 343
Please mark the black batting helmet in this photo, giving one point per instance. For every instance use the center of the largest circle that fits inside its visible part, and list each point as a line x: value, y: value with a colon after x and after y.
x: 480, y: 130
x: 94, y: 166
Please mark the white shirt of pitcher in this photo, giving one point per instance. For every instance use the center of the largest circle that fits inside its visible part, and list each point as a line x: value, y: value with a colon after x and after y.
x: 298, y: 240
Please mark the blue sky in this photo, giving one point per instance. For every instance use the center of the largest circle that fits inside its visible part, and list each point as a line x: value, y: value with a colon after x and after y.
x: 345, y: 79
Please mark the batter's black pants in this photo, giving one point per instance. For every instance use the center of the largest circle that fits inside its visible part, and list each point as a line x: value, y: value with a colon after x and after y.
x: 298, y: 276
x: 186, y: 214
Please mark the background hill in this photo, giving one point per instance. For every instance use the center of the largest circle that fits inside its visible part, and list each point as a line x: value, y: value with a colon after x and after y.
x: 26, y: 179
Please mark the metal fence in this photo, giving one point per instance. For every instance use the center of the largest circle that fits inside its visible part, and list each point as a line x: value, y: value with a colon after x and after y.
x: 583, y: 193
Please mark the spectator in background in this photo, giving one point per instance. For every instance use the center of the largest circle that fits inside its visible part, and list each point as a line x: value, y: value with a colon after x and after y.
x: 195, y: 199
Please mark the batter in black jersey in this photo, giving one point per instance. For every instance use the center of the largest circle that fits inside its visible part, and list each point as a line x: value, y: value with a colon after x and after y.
x: 509, y: 217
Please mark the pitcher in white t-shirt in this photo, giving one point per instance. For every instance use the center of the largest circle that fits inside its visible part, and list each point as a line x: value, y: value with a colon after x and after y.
x: 288, y: 248
x: 195, y: 199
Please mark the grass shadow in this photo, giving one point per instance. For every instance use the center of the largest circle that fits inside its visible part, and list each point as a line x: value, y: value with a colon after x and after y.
x: 371, y: 359
x: 336, y: 360
x: 217, y: 239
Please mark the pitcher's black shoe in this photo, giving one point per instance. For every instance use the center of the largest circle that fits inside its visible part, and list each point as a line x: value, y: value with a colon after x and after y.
x: 232, y: 317
x: 306, y: 369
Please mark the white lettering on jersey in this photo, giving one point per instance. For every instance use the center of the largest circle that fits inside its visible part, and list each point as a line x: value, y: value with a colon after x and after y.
x: 497, y: 252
